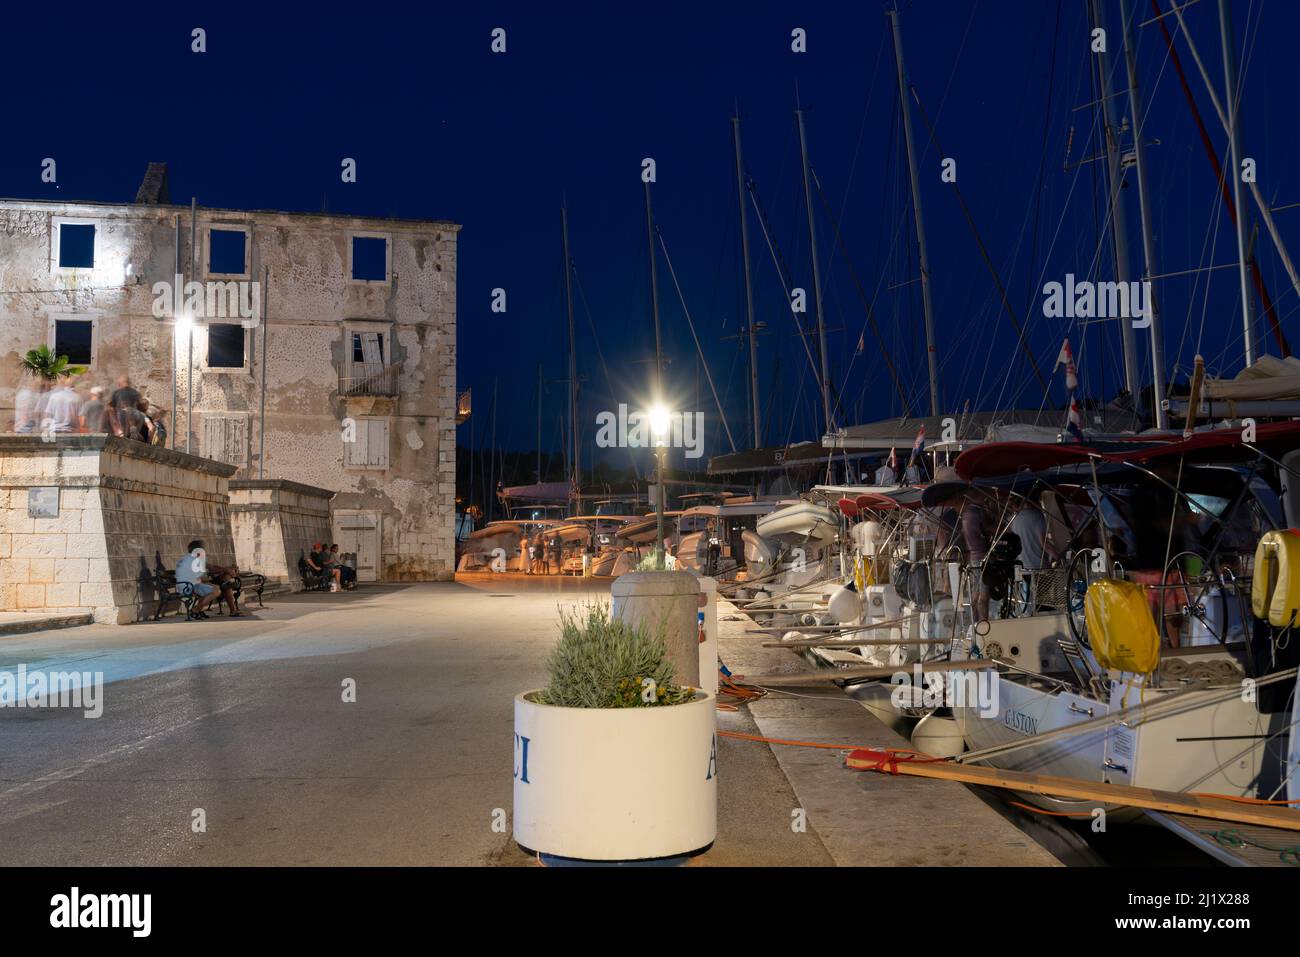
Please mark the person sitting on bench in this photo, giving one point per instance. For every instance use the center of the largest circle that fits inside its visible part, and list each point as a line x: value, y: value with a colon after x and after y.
x: 191, y: 570
x: 347, y: 574
x: 318, y: 561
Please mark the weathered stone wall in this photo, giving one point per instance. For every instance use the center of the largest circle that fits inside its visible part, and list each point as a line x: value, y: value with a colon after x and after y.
x: 125, y: 509
x: 311, y: 302
x: 275, y: 523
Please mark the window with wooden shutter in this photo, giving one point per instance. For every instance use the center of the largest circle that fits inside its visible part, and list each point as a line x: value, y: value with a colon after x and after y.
x: 369, y: 448
x: 225, y: 438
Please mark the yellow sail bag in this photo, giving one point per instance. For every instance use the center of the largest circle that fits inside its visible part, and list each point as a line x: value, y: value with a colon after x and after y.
x: 1275, y: 587
x: 1121, y: 631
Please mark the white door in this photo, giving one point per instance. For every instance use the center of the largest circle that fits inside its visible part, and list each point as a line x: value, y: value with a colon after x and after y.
x: 358, y: 533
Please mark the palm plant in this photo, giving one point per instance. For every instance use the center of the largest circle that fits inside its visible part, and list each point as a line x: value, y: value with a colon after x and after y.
x: 42, y: 363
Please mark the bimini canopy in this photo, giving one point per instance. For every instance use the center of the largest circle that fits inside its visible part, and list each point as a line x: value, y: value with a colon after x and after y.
x: 1217, y: 444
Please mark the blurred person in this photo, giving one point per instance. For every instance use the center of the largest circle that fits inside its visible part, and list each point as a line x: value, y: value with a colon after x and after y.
x: 25, y: 398
x: 62, y: 408
x: 124, y: 397
x: 90, y: 417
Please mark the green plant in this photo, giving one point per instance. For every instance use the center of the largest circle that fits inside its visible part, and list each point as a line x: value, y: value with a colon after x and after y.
x: 602, y: 662
x: 44, y: 364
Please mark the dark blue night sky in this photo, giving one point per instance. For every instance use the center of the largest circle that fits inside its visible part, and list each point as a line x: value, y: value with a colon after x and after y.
x: 443, y: 128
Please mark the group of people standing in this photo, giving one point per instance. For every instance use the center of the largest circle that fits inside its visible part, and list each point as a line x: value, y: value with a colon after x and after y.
x: 538, y: 555
x: 49, y: 407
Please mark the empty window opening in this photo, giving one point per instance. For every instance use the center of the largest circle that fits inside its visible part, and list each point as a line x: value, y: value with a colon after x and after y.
x: 227, y: 250
x: 369, y: 258
x: 74, y: 338
x: 225, y: 346
x: 76, y: 246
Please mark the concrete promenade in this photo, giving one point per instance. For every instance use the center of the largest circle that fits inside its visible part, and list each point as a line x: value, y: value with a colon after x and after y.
x: 242, y: 723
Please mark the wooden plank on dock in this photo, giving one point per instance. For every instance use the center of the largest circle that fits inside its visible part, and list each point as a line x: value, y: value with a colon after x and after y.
x: 1174, y: 802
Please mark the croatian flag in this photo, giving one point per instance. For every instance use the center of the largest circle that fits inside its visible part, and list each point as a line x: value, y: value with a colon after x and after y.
x: 918, y: 446
x: 1071, y: 374
x: 1075, y: 424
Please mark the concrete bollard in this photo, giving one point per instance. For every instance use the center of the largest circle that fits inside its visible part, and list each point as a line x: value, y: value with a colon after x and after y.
x: 649, y: 598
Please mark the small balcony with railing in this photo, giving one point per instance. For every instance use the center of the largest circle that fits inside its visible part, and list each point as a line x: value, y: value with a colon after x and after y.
x: 364, y: 378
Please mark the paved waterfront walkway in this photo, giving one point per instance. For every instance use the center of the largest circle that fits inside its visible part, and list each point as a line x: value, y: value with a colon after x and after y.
x: 244, y: 719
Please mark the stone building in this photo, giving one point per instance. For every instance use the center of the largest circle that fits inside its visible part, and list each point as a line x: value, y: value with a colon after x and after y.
x: 320, y: 349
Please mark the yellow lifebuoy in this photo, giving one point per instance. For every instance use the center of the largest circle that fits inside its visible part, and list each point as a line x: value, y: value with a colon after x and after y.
x: 1121, y: 630
x: 1275, y: 587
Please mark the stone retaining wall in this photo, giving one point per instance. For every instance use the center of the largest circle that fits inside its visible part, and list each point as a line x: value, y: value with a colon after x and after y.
x: 123, y: 508
x: 275, y: 522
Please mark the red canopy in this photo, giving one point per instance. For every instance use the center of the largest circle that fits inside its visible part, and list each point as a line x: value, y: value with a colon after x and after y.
x: 1217, y: 445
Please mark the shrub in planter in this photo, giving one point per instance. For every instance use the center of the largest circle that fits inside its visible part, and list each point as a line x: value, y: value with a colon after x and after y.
x: 613, y: 759
x: 603, y: 662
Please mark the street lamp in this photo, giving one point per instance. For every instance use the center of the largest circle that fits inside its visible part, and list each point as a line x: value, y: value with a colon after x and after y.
x: 182, y: 325
x: 660, y: 419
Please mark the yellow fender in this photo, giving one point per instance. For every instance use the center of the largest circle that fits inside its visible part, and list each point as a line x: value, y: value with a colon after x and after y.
x: 1121, y: 631
x: 1275, y: 587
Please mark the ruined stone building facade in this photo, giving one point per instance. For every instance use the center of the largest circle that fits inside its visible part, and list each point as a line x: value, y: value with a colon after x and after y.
x: 357, y: 348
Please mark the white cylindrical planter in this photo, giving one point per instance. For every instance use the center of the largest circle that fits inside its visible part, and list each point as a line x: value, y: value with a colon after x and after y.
x: 648, y: 598
x: 615, y: 784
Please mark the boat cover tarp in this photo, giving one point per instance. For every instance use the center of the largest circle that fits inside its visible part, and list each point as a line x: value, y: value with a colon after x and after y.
x: 1269, y: 378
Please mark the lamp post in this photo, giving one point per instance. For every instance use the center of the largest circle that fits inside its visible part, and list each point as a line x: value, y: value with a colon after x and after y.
x: 183, y: 325
x: 659, y: 422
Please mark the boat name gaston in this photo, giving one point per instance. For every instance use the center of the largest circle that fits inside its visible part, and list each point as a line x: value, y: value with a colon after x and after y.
x: 1086, y: 299
x: 1020, y: 722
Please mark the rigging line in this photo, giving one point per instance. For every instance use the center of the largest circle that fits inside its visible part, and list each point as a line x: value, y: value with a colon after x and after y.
x: 698, y: 348
x: 1074, y: 181
x: 866, y: 305
x: 600, y: 353
x: 988, y: 261
x: 857, y: 147
x: 782, y: 273
x: 1042, y: 158
x: 1270, y: 310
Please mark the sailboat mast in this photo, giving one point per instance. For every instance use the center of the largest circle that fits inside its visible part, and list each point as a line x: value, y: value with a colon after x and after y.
x: 1144, y: 204
x: 1118, y: 219
x: 573, y: 355
x: 1232, y: 94
x: 654, y: 295
x: 817, y: 278
x: 923, y: 256
x: 539, y: 423
x: 749, y: 286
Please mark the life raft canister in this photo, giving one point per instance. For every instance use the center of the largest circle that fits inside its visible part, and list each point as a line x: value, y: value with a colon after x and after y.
x: 1121, y: 631
x: 1275, y: 587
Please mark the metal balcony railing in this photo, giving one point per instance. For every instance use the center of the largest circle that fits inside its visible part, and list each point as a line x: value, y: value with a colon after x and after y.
x: 364, y: 379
